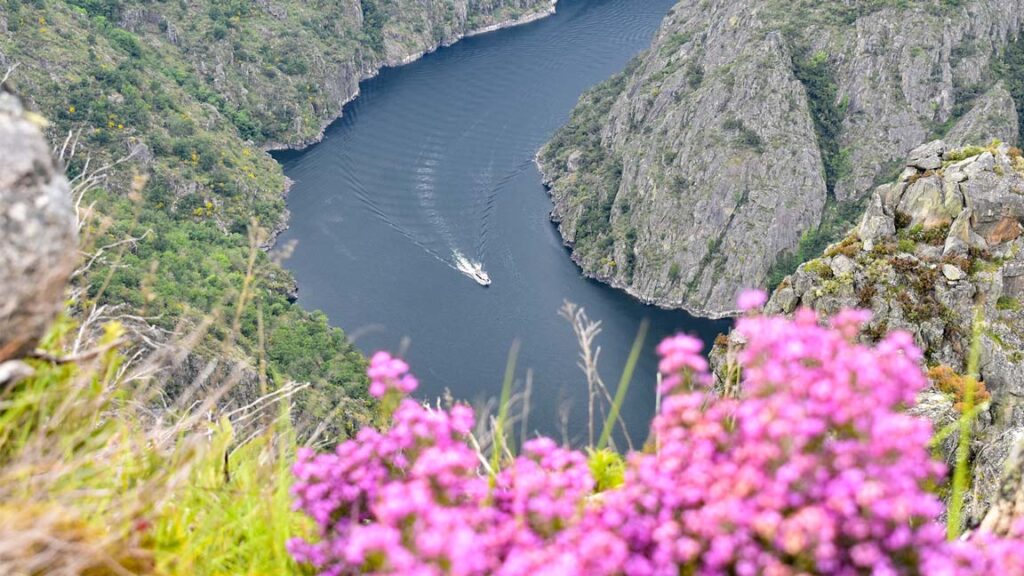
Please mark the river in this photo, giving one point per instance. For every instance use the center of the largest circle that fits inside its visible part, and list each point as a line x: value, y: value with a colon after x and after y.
x: 436, y: 157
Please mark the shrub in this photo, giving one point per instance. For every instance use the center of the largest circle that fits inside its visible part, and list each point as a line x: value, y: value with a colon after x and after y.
x: 963, y: 153
x: 1008, y: 303
x: 948, y: 381
x: 818, y: 468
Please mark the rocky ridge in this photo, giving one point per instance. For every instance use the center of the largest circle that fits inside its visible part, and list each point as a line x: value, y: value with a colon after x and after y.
x: 942, y: 243
x: 752, y: 127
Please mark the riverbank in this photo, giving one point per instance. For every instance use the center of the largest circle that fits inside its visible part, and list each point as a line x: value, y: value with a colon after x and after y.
x: 408, y: 59
x: 271, y: 147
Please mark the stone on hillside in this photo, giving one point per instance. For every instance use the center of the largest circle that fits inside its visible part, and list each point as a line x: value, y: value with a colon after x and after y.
x: 998, y: 210
x: 843, y: 266
x: 924, y: 202
x: 961, y: 237
x: 876, y: 224
x: 1013, y: 280
x: 1008, y: 507
x: 927, y: 156
x: 786, y: 300
x: 952, y: 272
x: 37, y: 232
x: 572, y: 163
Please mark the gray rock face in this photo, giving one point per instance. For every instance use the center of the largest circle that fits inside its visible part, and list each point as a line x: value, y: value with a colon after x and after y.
x: 729, y: 137
x: 37, y: 232
x: 927, y: 156
x: 930, y: 282
x: 993, y: 117
x: 876, y: 224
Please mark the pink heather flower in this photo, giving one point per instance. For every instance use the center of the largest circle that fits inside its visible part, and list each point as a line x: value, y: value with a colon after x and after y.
x: 388, y: 373
x: 817, y: 468
x: 752, y: 299
x: 681, y: 360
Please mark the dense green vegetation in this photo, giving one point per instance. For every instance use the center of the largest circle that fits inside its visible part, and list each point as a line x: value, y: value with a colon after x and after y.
x: 814, y: 73
x: 193, y: 193
x: 99, y: 490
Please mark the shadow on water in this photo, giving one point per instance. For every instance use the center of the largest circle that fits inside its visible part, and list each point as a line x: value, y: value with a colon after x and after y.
x: 436, y: 157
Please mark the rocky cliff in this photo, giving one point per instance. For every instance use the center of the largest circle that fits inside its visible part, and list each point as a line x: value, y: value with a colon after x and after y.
x: 942, y: 243
x: 751, y: 132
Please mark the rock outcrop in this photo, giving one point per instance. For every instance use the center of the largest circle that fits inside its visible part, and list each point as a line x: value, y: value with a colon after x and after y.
x: 749, y: 125
x: 38, y: 249
x: 935, y: 248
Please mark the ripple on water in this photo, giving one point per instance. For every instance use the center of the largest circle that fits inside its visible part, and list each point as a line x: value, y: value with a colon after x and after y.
x: 436, y: 157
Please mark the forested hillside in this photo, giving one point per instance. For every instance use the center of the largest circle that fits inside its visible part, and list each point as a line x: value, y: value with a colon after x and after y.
x: 186, y: 96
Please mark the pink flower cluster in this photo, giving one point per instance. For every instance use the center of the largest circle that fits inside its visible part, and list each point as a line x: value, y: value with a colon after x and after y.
x: 818, y: 468
x: 389, y: 374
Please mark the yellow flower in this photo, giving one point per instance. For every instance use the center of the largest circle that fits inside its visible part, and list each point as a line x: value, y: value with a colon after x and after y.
x: 71, y: 109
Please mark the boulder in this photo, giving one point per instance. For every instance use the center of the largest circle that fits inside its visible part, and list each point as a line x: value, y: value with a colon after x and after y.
x: 998, y: 210
x: 875, y: 224
x: 927, y: 156
x: 843, y: 266
x: 924, y: 201
x: 38, y: 248
x: 952, y: 273
x: 961, y: 237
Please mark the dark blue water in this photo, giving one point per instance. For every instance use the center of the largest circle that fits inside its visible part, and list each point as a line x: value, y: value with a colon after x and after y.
x: 437, y: 157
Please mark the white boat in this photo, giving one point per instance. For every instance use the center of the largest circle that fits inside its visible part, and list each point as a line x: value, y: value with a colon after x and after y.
x: 474, y: 270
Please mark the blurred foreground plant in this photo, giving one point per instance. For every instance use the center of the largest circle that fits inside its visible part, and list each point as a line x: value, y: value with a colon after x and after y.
x: 816, y: 468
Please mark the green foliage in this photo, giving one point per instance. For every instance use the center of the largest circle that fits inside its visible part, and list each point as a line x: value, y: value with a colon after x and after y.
x: 815, y: 73
x: 374, y: 19
x: 608, y: 469
x: 963, y: 153
x: 187, y: 498
x: 674, y: 271
x: 234, y: 514
x: 1008, y: 304
x: 745, y: 136
x: 674, y: 42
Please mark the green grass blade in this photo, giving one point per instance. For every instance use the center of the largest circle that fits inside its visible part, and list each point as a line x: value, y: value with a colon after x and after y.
x: 620, y: 392
x: 499, y: 443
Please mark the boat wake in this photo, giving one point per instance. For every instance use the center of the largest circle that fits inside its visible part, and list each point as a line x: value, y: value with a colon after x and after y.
x: 474, y: 270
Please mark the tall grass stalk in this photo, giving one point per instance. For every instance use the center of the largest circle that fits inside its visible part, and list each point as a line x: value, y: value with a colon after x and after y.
x: 624, y: 380
x: 499, y: 443
x: 961, y: 471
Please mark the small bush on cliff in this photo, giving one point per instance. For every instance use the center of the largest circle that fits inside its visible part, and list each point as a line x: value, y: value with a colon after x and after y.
x: 948, y: 381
